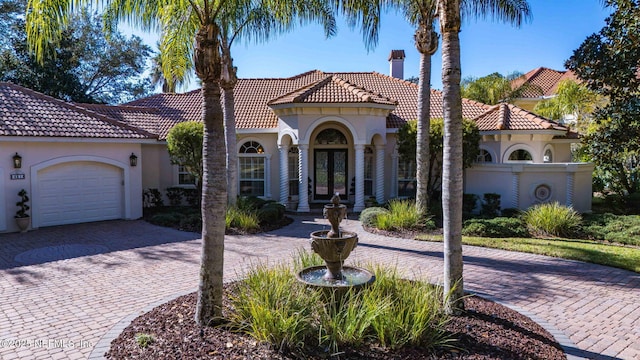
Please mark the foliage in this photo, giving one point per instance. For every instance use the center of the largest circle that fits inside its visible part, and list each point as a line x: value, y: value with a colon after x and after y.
x: 590, y: 251
x: 184, y: 142
x: 499, y: 227
x: 618, y: 229
x: 280, y: 209
x: 369, y: 216
x: 268, y: 215
x: 607, y: 62
x: 87, y: 66
x: 407, y: 135
x: 174, y: 194
x: 490, y: 205
x: 152, y: 198
x: 493, y: 88
x: 573, y: 99
x: 143, y: 340
x: 469, y: 202
x: 242, y: 219
x: 402, y: 215
x: 552, y: 219
x: 166, y: 219
x: 22, y: 204
x: 273, y: 307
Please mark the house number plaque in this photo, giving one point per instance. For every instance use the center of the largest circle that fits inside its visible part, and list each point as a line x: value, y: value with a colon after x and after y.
x: 17, y: 177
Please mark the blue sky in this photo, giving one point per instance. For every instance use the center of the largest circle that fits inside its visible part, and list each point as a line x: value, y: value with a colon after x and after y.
x: 557, y: 28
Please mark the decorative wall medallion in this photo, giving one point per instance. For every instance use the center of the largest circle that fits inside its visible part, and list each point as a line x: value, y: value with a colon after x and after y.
x: 542, y: 192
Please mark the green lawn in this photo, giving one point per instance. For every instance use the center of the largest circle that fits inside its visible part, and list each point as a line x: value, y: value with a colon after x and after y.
x: 622, y: 257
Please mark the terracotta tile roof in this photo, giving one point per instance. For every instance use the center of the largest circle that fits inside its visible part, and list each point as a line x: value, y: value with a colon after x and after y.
x: 25, y: 112
x: 543, y: 81
x: 147, y: 119
x: 510, y: 117
x: 252, y: 97
x: 332, y: 89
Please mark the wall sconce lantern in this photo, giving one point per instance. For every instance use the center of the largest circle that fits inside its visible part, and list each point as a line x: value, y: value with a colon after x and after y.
x: 17, y: 161
x: 133, y: 160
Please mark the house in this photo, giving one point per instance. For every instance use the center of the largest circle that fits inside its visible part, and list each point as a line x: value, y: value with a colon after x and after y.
x: 300, y: 140
x: 540, y: 84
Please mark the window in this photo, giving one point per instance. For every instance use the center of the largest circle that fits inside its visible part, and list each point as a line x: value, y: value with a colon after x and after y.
x: 368, y: 171
x: 294, y: 171
x: 330, y: 137
x: 520, y: 155
x: 185, y: 177
x: 406, y: 178
x: 484, y: 157
x: 251, y: 162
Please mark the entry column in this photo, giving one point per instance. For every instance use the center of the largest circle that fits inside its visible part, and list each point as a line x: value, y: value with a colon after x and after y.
x: 380, y: 174
x: 303, y: 182
x: 359, y: 205
x: 284, y: 174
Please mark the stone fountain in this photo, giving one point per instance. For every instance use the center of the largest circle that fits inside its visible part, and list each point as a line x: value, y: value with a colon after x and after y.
x: 334, y: 246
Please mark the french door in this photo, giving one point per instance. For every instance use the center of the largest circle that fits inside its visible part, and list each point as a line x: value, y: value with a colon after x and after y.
x: 330, y: 173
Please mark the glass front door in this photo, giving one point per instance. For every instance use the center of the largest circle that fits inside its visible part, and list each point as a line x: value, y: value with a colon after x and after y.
x: 330, y: 173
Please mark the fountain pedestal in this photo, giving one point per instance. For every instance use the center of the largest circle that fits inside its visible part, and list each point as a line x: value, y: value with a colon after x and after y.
x: 334, y: 246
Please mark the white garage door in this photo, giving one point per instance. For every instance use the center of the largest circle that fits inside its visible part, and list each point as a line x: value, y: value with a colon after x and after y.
x: 78, y: 192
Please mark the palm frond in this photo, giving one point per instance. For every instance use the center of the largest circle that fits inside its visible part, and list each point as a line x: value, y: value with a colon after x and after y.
x: 515, y: 12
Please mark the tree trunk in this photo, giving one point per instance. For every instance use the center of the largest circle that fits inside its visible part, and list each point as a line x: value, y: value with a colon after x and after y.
x: 424, y: 38
x: 452, y: 156
x: 214, y: 195
x: 228, y: 83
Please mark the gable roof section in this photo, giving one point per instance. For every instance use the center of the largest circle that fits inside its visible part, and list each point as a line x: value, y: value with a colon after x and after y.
x: 510, y: 117
x: 147, y: 119
x: 25, y: 112
x: 332, y: 89
x: 543, y: 82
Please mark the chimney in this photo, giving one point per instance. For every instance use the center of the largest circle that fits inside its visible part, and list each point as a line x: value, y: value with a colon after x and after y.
x: 396, y: 64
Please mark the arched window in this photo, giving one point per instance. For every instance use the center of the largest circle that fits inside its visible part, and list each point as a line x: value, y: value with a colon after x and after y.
x: 294, y: 171
x: 368, y: 171
x: 252, y: 164
x: 330, y: 137
x: 520, y: 155
x: 484, y: 156
x: 548, y: 156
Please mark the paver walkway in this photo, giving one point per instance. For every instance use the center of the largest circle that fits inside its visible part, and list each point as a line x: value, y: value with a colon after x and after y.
x: 57, y: 303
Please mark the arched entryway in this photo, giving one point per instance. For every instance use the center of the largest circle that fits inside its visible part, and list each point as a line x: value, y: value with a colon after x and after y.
x: 330, y: 164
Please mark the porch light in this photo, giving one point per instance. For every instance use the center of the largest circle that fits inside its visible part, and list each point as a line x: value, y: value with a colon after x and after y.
x: 17, y: 161
x: 133, y: 160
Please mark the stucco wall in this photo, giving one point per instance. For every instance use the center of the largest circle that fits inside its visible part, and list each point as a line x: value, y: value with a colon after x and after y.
x: 36, y: 153
x: 569, y: 184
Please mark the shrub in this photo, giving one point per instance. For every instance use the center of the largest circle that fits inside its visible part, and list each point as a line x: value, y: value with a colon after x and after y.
x: 552, y: 219
x: 402, y: 216
x: 469, y: 202
x: 166, y: 219
x: 614, y: 228
x: 241, y: 219
x: 250, y: 202
x: 500, y: 227
x: 152, y: 198
x: 510, y: 212
x: 268, y: 215
x: 143, y: 340
x: 191, y: 222
x: 490, y: 205
x: 174, y: 194
x: 369, y: 216
x: 192, y: 196
x: 274, y: 205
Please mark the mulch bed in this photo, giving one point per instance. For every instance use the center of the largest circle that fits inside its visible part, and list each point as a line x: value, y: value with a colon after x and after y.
x: 485, y: 331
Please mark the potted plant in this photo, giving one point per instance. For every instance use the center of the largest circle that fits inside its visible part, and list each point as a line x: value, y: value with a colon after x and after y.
x: 22, y: 218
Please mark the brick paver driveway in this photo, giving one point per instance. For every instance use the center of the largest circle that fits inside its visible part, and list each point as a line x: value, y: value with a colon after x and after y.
x: 63, y: 288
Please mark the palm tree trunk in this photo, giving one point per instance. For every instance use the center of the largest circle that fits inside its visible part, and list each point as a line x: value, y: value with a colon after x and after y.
x: 452, y: 156
x: 214, y: 195
x: 228, y: 109
x: 426, y: 43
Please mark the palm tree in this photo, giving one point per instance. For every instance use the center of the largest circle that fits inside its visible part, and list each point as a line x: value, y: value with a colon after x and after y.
x: 495, y: 88
x: 208, y: 22
x: 449, y: 11
x: 170, y: 83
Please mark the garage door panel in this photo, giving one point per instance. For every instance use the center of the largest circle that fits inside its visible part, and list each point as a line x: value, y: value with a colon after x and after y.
x: 80, y: 192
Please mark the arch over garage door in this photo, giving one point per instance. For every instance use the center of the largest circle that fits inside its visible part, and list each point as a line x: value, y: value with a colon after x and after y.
x: 79, y: 189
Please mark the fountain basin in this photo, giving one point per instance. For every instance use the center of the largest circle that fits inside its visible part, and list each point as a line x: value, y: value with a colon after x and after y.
x: 352, y: 277
x: 333, y: 250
